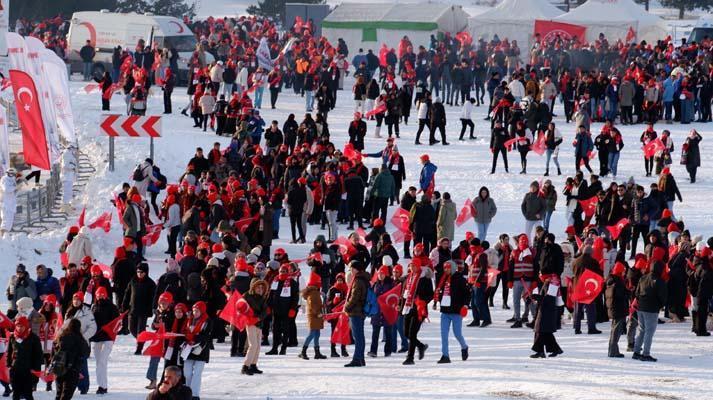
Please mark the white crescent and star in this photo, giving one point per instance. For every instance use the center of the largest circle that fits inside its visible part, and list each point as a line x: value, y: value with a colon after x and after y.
x: 22, y: 90
x: 389, y: 302
x: 586, y: 284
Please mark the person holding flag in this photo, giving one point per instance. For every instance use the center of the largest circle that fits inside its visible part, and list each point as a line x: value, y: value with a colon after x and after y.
x: 83, y: 314
x: 195, y: 351
x: 256, y: 299
x: 48, y: 330
x: 24, y: 355
x: 547, y: 320
x: 452, y: 294
x: 383, y: 284
x: 104, y: 313
x: 417, y: 293
x: 163, y: 315
x: 617, y: 302
x: 585, y: 262
x: 335, y: 298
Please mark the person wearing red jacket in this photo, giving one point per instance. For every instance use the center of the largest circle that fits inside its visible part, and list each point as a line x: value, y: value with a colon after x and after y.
x: 107, y: 87
x: 520, y: 278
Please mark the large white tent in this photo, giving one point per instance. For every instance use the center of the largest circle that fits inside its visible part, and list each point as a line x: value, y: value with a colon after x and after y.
x: 614, y: 18
x: 512, y: 19
x: 367, y: 26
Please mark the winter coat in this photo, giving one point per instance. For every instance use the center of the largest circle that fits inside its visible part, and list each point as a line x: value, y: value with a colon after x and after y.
x: 281, y: 305
x: 617, y: 298
x: 485, y: 209
x: 446, y: 220
x: 80, y: 247
x: 533, y: 207
x: 460, y: 295
x: 423, y: 218
x: 16, y: 290
x: 626, y: 94
x: 86, y: 319
x: 25, y: 356
x: 138, y: 299
x: 104, y: 312
x: 381, y: 287
x: 202, y: 342
x: 384, y: 186
x: 652, y: 293
x: 354, y: 306
x: 76, y: 348
x: 178, y: 392
x: 693, y: 157
x: 583, y: 144
x: 313, y: 302
x: 547, y: 318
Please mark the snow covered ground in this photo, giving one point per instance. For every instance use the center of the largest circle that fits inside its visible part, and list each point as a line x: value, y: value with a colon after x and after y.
x: 498, y: 367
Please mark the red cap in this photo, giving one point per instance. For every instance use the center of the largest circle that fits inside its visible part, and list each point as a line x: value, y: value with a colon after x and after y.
x: 666, y: 213
x: 50, y: 299
x: 128, y: 241
x: 665, y: 171
x: 469, y: 236
x: 384, y: 269
x: 73, y: 230
x: 302, y: 181
x: 378, y: 222
x: 166, y: 297
x: 201, y: 306
x: 78, y: 295
x: 136, y: 198
x: 673, y: 228
x: 280, y: 251
x: 95, y: 270
x: 188, y: 251
x: 101, y: 293
x: 217, y: 248
x: 314, y: 280
x: 619, y: 269
x: 86, y: 260
x: 398, y: 269
x: 424, y: 157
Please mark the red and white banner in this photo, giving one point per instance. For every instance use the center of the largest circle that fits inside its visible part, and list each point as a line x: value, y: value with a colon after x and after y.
x: 130, y: 125
x: 549, y: 30
x: 29, y: 114
x: 58, y: 84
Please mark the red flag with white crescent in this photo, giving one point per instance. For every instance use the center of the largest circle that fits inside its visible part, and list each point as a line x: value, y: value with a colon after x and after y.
x: 29, y: 114
x: 389, y: 304
x: 617, y: 228
x: 114, y: 326
x: 466, y: 212
x: 588, y: 287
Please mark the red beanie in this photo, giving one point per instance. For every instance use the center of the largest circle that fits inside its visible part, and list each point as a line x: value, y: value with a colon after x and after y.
x: 314, y: 280
x: 666, y: 213
x: 101, y: 293
x: 200, y: 305
x: 673, y: 228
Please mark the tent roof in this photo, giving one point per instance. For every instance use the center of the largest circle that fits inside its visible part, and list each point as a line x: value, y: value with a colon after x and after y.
x: 609, y: 12
x: 520, y: 10
x: 427, y: 12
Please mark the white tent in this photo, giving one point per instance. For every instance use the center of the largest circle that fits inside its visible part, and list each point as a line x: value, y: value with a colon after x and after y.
x: 367, y: 26
x: 613, y: 18
x: 512, y: 19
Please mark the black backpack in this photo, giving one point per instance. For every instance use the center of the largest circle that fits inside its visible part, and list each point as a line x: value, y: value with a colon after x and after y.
x: 60, y: 364
x: 138, y: 173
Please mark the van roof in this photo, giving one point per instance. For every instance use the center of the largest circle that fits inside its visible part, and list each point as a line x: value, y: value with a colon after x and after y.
x: 168, y: 26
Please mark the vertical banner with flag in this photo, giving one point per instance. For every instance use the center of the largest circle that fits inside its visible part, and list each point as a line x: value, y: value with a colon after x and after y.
x: 34, y: 48
x: 16, y: 51
x: 56, y: 73
x: 263, y: 55
x: 29, y: 114
x: 4, y: 142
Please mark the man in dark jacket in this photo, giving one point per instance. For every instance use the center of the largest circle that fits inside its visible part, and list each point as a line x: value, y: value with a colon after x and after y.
x: 422, y: 223
x: 406, y: 203
x: 453, y: 294
x: 283, y: 301
x: 382, y: 190
x: 533, y: 208
x: 354, y: 187
x: 498, y: 137
x: 171, y: 388
x: 138, y: 301
x: 438, y: 121
x: 703, y: 282
x: 617, y: 301
x: 581, y: 263
x: 87, y: 54
x: 652, y: 295
x: 354, y: 307
x: 357, y: 132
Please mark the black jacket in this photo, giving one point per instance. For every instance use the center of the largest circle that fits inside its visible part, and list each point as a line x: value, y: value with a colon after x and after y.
x: 460, y: 295
x: 617, y: 298
x: 25, y: 356
x: 423, y: 220
x: 652, y: 292
x: 280, y: 305
x: 76, y: 348
x: 551, y: 259
x: 178, y: 392
x: 104, y: 312
x: 138, y: 299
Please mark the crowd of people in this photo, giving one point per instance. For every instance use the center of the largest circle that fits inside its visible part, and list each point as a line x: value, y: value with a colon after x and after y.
x: 223, y: 278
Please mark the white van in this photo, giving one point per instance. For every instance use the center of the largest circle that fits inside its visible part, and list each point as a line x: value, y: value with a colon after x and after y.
x: 703, y: 29
x: 106, y: 30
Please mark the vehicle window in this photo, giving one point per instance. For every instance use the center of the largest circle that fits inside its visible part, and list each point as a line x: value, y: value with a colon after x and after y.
x: 180, y: 43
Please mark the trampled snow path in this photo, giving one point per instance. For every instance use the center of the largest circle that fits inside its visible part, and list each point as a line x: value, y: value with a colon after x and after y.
x: 498, y: 367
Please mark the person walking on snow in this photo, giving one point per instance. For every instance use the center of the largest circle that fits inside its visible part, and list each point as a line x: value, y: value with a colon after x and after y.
x: 68, y: 165
x: 8, y: 186
x: 427, y: 181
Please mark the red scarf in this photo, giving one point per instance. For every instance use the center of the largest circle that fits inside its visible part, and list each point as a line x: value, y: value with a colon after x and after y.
x: 22, y: 336
x: 445, y: 284
x: 178, y: 326
x: 411, y: 285
x: 195, y: 327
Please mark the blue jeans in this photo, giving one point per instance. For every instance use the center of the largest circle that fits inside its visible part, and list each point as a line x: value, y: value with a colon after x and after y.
x: 313, y: 335
x: 613, y: 162
x: 87, y: 70
x: 258, y: 97
x: 402, y: 334
x: 613, y: 107
x: 446, y: 321
x: 546, y: 219
x: 153, y: 368
x: 668, y: 107
x: 653, y: 223
x: 481, y: 312
x: 83, y: 384
x: 648, y: 322
x: 276, y: 221
x: 482, y: 230
x: 548, y: 154
x: 389, y: 335
x: 590, y: 310
x: 594, y: 104
x: 357, y: 325
x: 309, y: 99
x: 115, y: 72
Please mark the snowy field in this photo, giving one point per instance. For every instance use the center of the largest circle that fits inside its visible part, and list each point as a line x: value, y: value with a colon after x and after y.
x: 499, y: 367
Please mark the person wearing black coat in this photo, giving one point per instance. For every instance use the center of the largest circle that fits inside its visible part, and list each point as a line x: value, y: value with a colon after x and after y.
x: 138, y: 301
x: 551, y: 258
x: 406, y: 203
x: 171, y: 388
x: 73, y: 348
x: 546, y: 321
x: 423, y: 223
x: 677, y: 292
x: 651, y: 295
x: 438, y: 121
x: 384, y: 248
x: 453, y: 294
x: 283, y: 301
x: 398, y: 171
x: 617, y: 301
x: 170, y: 282
x: 418, y: 292
x: 703, y: 282
x: 104, y: 313
x: 354, y: 187
x: 105, y: 85
x: 498, y: 136
x: 198, y: 333
x: 357, y: 132
x: 693, y: 153
x: 24, y: 355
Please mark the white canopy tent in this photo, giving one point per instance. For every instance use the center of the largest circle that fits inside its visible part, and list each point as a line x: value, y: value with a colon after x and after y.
x: 367, y: 26
x: 512, y: 19
x: 613, y: 18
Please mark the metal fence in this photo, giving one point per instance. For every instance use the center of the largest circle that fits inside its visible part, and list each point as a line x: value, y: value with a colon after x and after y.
x: 35, y: 207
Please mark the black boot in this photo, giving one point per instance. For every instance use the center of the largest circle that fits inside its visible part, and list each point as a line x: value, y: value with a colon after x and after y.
x: 139, y: 349
x: 272, y: 352
x: 318, y: 355
x: 283, y: 350
x: 344, y: 351
x: 246, y: 370
x: 254, y: 369
x: 559, y: 171
x: 334, y: 353
x: 303, y: 354
x: 464, y: 354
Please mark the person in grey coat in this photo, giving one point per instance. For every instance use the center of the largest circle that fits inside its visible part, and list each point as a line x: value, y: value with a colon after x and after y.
x: 652, y: 296
x: 485, y: 210
x: 533, y: 208
x: 133, y: 221
x: 445, y: 224
x: 19, y: 286
x: 626, y: 101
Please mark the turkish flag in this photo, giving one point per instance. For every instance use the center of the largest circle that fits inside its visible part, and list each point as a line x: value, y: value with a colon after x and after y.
x: 389, y: 304
x: 106, y: 270
x: 398, y: 237
x: 549, y: 30
x: 630, y: 35
x: 103, y: 221
x: 589, y: 206
x: 113, y: 327
x: 44, y: 376
x: 341, y: 334
x: 80, y: 220
x: 377, y: 110
x: 4, y: 371
x: 492, y: 276
x: 400, y: 219
x: 464, y: 38
x: 616, y: 229
x: 466, y: 213
x: 654, y: 146
x: 29, y: 114
x: 349, y: 151
x: 243, y: 224
x: 588, y: 287
x: 539, y: 146
x: 5, y: 322
x: 510, y: 143
x: 155, y: 348
x: 346, y: 248
x: 237, y: 312
x: 90, y: 87
x: 153, y: 232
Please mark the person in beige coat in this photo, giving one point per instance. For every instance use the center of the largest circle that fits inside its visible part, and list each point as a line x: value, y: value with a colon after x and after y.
x: 207, y: 104
x: 548, y: 93
x: 80, y: 247
x: 315, y: 321
x: 445, y: 224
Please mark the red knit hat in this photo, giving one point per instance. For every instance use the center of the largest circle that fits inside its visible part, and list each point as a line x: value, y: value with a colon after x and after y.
x: 619, y: 269
x: 384, y: 269
x: 673, y: 228
x: 95, y: 270
x: 314, y: 280
x: 398, y: 269
x: 425, y: 157
x: 166, y: 297
x: 200, y: 306
x: 78, y: 295
x: 86, y: 260
x: 666, y: 213
x: 101, y: 293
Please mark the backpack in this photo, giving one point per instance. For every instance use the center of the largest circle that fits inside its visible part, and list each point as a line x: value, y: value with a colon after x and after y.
x: 138, y: 173
x: 371, y: 306
x: 60, y: 364
x: 161, y: 184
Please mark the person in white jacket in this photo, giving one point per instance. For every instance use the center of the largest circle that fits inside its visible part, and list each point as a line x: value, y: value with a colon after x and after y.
x: 173, y: 223
x: 466, y: 120
x: 68, y: 165
x: 258, y: 80
x: 308, y: 209
x: 517, y: 89
x: 8, y: 187
x: 80, y: 247
x: 241, y: 81
x: 147, y: 176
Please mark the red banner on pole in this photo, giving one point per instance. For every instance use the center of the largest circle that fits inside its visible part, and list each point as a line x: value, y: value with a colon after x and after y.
x: 29, y: 114
x: 549, y: 30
